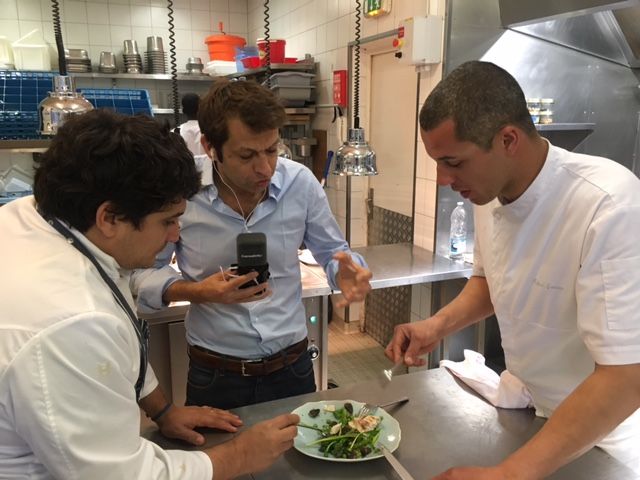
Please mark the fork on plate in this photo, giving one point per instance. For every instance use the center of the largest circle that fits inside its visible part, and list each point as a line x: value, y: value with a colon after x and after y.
x: 369, y: 408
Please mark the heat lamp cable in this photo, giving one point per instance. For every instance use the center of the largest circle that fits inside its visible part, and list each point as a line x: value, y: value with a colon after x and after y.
x: 57, y: 30
x: 356, y: 81
x: 268, y: 44
x: 174, y: 69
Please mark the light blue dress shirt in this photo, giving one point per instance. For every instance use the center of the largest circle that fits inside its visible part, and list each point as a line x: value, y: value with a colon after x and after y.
x: 295, y: 211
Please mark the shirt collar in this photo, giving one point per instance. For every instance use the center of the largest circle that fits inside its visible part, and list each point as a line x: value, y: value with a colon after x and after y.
x: 275, y: 187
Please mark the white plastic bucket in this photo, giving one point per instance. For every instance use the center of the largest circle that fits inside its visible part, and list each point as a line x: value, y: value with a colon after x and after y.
x: 31, y: 52
x: 32, y: 57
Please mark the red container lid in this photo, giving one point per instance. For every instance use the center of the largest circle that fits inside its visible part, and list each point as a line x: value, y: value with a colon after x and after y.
x: 271, y: 40
x: 225, y: 39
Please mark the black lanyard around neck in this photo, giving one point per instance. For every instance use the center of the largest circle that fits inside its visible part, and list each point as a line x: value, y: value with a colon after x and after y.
x: 139, y: 325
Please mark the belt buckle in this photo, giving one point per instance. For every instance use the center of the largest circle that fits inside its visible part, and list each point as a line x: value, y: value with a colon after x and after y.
x: 243, y: 370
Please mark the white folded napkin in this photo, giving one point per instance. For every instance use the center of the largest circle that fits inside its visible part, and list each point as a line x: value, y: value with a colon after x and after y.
x: 504, y: 391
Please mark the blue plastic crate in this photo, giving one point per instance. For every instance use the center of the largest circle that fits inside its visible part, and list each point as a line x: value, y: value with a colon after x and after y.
x: 23, y: 91
x: 125, y: 101
x: 20, y: 94
x: 19, y: 125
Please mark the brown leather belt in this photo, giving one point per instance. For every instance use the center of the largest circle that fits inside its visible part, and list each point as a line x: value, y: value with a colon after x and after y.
x: 248, y: 368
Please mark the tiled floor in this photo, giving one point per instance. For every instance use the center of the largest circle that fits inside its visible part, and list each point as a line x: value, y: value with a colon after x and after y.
x: 354, y: 357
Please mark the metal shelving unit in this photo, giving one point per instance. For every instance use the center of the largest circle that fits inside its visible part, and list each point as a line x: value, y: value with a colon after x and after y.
x: 276, y: 67
x: 566, y: 135
x: 25, y: 146
x: 565, y: 126
x: 145, y: 76
x: 295, y: 116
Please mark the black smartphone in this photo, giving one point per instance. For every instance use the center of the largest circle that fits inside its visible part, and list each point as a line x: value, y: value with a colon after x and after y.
x: 252, y: 257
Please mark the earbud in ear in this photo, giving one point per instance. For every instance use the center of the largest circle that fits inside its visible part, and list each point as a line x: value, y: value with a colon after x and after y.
x: 214, y: 157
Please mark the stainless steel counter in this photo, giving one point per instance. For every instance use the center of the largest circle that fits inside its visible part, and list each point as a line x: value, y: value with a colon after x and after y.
x: 391, y: 265
x: 406, y: 264
x: 444, y: 424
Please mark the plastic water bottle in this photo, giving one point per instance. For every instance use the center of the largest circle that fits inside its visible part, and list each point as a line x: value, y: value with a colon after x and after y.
x: 458, y: 232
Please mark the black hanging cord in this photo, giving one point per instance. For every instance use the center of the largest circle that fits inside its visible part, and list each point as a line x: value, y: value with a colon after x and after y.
x: 356, y: 80
x: 268, y: 43
x: 57, y: 30
x: 174, y: 70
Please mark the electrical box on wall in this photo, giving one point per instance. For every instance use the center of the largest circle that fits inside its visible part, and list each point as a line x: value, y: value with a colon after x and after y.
x: 419, y: 40
x: 340, y: 88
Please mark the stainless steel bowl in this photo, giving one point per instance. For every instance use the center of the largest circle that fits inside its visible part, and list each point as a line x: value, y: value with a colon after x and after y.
x: 154, y: 44
x: 130, y: 47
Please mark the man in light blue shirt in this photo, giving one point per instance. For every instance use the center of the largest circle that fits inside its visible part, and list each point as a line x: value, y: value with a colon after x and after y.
x: 248, y: 345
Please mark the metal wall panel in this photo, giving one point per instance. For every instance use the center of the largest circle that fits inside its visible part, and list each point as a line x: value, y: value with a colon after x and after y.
x: 387, y: 307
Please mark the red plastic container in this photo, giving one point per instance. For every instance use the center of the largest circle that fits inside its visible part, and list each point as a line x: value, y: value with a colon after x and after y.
x: 276, y: 47
x: 223, y: 47
x: 251, y: 62
x: 290, y: 60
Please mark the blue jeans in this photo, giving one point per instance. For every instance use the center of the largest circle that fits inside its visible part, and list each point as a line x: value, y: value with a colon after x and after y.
x: 223, y: 389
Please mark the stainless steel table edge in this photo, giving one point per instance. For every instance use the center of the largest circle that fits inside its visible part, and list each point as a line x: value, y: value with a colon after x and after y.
x: 444, y: 424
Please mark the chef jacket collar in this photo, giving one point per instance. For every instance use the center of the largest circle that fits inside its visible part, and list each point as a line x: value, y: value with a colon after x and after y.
x: 108, y: 263
x: 520, y: 208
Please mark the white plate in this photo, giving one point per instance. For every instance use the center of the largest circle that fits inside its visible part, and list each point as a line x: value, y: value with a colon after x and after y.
x: 389, y: 426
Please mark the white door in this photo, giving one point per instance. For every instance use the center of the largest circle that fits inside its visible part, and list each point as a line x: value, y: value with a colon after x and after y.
x: 392, y: 123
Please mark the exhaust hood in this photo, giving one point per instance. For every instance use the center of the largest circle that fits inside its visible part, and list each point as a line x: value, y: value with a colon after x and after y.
x: 606, y: 29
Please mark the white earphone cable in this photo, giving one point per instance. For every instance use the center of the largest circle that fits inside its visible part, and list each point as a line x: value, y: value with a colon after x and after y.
x: 246, y: 227
x: 244, y: 219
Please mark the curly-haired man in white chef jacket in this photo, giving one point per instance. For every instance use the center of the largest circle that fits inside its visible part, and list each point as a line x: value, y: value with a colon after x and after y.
x: 107, y: 197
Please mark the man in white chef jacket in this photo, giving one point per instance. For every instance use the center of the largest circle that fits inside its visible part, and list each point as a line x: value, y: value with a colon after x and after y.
x: 107, y: 197
x: 190, y: 130
x: 556, y: 258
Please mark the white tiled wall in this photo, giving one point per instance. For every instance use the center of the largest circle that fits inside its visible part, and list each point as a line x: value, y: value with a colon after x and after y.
x: 322, y: 28
x: 104, y: 25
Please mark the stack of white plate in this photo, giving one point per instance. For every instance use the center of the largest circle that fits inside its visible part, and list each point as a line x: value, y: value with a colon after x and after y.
x: 77, y: 60
x: 216, y: 68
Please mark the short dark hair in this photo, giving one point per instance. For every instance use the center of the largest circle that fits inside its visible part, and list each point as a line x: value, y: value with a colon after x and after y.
x: 480, y: 98
x: 190, y: 103
x: 256, y: 106
x: 130, y: 161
